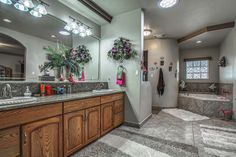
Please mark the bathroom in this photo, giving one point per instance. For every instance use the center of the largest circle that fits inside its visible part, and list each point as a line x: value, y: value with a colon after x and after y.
x: 101, y: 78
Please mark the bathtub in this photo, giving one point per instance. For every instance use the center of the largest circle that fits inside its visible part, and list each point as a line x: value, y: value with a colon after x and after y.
x: 204, y: 104
x: 209, y: 97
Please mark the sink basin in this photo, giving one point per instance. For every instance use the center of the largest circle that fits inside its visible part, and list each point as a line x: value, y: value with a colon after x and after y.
x: 103, y: 91
x: 16, y: 100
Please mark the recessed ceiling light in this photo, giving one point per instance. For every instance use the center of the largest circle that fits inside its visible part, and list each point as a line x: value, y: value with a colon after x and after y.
x: 7, y: 20
x: 147, y: 32
x: 64, y: 33
x: 168, y: 3
x: 199, y: 42
x: 53, y: 36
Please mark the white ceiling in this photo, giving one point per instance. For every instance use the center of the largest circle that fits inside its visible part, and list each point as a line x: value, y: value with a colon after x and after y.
x: 187, y: 17
x: 209, y: 39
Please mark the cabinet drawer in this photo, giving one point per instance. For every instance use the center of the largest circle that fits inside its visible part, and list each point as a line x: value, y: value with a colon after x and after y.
x: 25, y: 115
x: 10, y: 142
x: 119, y: 106
x: 110, y: 98
x: 81, y: 104
x: 118, y: 119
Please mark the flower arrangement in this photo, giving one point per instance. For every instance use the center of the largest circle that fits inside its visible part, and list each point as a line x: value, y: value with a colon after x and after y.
x: 83, y: 55
x: 63, y: 56
x: 122, y: 50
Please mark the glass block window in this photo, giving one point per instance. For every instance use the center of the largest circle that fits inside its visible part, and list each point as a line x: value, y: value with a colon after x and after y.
x: 196, y: 70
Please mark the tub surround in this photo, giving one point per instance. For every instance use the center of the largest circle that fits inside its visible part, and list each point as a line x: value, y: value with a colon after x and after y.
x: 204, y: 106
x: 225, y: 89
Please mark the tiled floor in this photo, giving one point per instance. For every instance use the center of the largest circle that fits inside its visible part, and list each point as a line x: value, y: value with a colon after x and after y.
x: 167, y: 136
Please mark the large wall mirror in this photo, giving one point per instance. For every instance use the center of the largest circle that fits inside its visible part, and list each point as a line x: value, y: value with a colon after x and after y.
x: 23, y: 37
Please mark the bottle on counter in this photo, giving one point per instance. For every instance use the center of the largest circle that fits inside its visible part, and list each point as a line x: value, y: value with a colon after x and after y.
x: 42, y: 89
x: 27, y: 93
x: 48, y: 90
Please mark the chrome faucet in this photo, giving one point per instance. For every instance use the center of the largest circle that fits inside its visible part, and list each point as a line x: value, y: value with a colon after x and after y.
x: 7, y: 92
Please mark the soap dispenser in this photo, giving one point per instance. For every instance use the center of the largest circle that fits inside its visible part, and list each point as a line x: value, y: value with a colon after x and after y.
x: 27, y: 92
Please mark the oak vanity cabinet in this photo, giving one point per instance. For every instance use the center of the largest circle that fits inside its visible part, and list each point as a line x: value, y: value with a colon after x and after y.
x: 10, y: 142
x: 112, y: 112
x: 42, y: 138
x: 81, y: 124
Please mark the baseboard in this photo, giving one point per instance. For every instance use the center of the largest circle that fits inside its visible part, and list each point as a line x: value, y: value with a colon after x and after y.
x: 137, y: 125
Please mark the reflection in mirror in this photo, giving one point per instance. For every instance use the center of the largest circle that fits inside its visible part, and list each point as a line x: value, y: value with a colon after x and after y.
x: 91, y: 69
x: 33, y: 35
x: 12, y: 59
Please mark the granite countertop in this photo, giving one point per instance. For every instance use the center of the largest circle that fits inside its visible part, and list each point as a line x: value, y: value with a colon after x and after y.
x: 56, y: 99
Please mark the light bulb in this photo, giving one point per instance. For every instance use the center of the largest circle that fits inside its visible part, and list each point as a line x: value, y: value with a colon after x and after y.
x: 41, y: 9
x: 68, y: 28
x: 35, y: 13
x: 21, y: 7
x: 27, y: 3
x: 83, y: 34
x: 81, y: 28
x: 75, y: 31
x: 88, y: 32
x: 9, y: 2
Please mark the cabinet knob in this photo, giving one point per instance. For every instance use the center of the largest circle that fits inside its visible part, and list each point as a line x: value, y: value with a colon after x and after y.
x: 25, y: 138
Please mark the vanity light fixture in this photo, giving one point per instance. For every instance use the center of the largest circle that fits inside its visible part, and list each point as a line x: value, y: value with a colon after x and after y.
x: 199, y: 42
x: 7, y: 20
x: 77, y: 27
x: 9, y: 2
x: 147, y: 32
x: 168, y: 3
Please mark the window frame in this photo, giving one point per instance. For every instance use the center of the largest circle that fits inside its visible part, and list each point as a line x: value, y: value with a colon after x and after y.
x: 208, y: 69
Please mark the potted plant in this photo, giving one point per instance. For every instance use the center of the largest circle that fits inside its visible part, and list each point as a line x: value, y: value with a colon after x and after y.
x: 55, y: 60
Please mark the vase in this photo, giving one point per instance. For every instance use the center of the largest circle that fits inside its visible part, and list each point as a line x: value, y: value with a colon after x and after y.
x: 57, y: 73
x: 66, y: 73
x: 81, y: 76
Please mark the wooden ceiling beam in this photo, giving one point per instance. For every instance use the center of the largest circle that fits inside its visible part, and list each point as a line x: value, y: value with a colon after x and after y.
x: 97, y: 9
x: 207, y: 29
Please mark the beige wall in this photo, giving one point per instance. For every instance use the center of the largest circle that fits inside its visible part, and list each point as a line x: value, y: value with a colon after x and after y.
x: 128, y: 25
x: 228, y: 73
x: 201, y: 52
x: 168, y: 49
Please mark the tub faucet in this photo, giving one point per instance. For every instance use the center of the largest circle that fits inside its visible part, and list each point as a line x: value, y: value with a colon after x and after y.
x: 7, y: 92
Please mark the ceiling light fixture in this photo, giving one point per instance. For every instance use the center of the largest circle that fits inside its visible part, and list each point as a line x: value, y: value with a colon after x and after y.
x: 147, y: 32
x: 9, y: 2
x: 199, y: 42
x: 7, y: 20
x: 168, y: 3
x: 53, y: 36
x: 64, y: 33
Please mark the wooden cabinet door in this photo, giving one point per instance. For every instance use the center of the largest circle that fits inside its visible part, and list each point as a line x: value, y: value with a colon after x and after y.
x: 92, y: 125
x: 10, y: 142
x: 107, y: 117
x: 42, y: 138
x: 74, y: 127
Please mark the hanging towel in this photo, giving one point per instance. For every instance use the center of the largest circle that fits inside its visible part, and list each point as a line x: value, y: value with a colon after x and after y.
x: 120, y: 79
x: 161, y: 83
